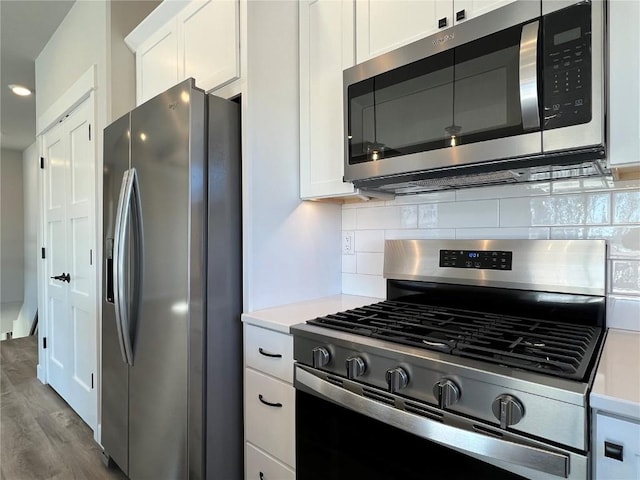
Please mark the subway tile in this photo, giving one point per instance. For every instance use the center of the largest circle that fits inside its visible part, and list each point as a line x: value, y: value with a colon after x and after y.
x: 348, y: 219
x: 579, y: 185
x: 504, y: 191
x: 623, y: 312
x: 364, y: 285
x: 555, y: 210
x: 404, y: 216
x: 481, y: 213
x: 625, y: 277
x: 626, y: 207
x: 363, y: 204
x: 423, y: 233
x: 435, y: 197
x: 370, y: 263
x: 502, y: 233
x: 369, y: 240
x: 349, y: 263
x: 623, y: 241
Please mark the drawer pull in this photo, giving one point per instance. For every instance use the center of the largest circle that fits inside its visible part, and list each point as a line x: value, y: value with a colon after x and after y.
x: 267, y: 354
x: 261, y: 476
x: 278, y: 405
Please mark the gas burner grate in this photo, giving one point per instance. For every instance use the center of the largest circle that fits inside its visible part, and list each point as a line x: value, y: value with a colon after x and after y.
x: 553, y: 348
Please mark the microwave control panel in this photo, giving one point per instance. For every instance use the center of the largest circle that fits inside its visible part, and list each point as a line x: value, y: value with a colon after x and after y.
x: 567, y: 67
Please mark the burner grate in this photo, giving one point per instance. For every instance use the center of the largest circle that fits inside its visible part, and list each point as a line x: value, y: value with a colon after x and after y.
x: 553, y: 348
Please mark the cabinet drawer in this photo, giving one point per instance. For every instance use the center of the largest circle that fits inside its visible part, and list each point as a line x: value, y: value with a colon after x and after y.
x: 262, y: 348
x: 272, y: 428
x: 622, y: 438
x: 261, y: 466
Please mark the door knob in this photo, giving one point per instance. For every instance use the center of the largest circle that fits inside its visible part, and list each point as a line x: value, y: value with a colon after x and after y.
x: 65, y: 277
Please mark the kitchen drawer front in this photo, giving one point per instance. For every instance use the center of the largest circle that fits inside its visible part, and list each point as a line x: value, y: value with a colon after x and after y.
x: 617, y: 448
x: 272, y: 428
x: 261, y: 466
x: 270, y: 343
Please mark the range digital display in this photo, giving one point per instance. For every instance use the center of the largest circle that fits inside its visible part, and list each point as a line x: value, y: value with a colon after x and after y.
x: 478, y: 259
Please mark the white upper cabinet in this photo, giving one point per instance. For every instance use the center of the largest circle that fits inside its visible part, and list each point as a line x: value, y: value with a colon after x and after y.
x: 209, y: 42
x: 624, y: 78
x: 179, y: 39
x: 157, y: 63
x: 383, y: 25
x: 326, y: 49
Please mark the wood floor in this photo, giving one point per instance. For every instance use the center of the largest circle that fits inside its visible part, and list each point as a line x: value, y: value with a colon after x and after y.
x: 41, y: 437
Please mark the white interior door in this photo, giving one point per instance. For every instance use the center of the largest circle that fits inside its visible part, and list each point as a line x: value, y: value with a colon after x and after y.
x: 69, y: 242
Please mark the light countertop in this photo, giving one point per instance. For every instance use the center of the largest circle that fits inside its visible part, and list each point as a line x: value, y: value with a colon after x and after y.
x: 283, y: 317
x: 616, y: 388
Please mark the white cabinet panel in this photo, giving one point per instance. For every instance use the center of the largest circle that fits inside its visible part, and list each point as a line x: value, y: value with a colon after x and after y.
x: 382, y: 25
x: 326, y: 49
x: 157, y: 63
x: 619, y: 434
x: 624, y: 78
x: 262, y: 347
x: 261, y: 466
x: 469, y: 9
x: 209, y: 42
x: 270, y: 427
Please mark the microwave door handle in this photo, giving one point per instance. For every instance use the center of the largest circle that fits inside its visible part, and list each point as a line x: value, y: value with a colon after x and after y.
x: 542, y: 460
x: 528, y: 69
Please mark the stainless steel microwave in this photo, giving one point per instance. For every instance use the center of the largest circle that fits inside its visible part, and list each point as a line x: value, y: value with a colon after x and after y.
x: 514, y: 95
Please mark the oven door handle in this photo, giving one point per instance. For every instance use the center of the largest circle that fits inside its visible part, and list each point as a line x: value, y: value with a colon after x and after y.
x: 462, y: 440
x: 528, y: 71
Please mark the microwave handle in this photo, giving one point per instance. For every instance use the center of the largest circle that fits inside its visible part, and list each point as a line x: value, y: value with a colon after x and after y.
x: 529, y: 76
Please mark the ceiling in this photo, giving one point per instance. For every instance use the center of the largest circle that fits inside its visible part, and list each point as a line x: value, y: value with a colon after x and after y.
x: 25, y: 28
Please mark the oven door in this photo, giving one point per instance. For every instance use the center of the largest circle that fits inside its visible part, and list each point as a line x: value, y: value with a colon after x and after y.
x: 345, y: 431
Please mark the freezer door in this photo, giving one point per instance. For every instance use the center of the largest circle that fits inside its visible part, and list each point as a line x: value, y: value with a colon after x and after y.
x: 168, y: 152
x: 115, y: 376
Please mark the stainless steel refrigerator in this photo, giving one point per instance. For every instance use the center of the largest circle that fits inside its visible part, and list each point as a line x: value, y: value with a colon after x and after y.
x: 171, y: 331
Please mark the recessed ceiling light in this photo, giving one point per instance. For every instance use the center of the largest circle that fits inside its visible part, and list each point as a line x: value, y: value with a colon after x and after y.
x: 20, y: 90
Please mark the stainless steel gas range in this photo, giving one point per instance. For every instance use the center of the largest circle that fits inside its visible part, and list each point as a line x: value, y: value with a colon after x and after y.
x: 479, y: 362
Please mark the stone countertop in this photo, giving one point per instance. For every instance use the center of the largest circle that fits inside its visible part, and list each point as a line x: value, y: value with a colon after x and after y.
x: 283, y: 317
x: 616, y: 388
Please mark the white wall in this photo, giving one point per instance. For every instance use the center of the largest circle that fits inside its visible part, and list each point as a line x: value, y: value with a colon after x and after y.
x: 22, y: 325
x: 11, y: 229
x: 567, y: 209
x: 292, y: 248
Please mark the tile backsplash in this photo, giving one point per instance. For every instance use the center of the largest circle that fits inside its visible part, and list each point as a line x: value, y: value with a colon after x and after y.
x: 567, y: 209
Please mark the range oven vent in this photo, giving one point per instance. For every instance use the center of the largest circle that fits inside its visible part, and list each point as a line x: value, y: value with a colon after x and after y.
x: 378, y: 396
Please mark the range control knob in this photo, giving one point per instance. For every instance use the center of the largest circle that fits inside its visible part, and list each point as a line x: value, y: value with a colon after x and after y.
x: 446, y: 392
x: 355, y: 367
x: 397, y: 379
x: 321, y: 357
x: 508, y: 409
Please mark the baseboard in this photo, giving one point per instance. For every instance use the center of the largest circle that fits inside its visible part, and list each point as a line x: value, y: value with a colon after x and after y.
x: 40, y: 374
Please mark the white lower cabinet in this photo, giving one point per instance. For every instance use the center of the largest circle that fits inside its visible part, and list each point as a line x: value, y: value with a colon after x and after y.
x: 261, y: 466
x: 617, y: 448
x: 269, y: 404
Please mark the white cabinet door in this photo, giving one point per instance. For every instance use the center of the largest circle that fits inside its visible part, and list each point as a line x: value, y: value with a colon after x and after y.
x: 383, y: 25
x: 209, y: 42
x: 617, y: 448
x: 624, y: 78
x: 464, y: 10
x: 326, y: 49
x: 157, y: 63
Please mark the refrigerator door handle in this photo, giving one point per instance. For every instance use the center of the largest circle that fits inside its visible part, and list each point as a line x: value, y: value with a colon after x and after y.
x: 119, y: 257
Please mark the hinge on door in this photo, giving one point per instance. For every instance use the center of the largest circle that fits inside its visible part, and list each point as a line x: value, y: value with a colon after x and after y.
x: 44, y: 342
x: 89, y: 131
x: 43, y: 256
x: 92, y: 380
x: 42, y: 162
